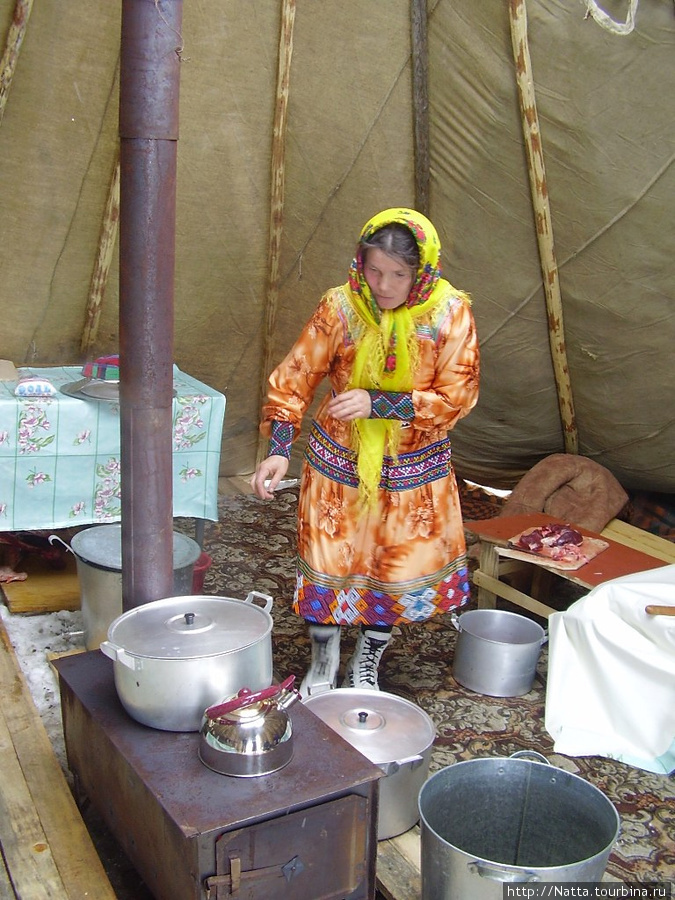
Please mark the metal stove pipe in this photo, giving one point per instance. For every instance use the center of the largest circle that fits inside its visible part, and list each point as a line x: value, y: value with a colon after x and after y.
x: 149, y: 89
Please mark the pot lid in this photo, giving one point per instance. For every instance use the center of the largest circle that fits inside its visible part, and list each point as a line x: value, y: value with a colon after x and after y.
x: 190, y: 627
x: 102, y: 546
x: 383, y: 727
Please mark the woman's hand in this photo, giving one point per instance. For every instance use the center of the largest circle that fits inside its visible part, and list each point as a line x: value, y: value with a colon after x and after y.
x: 270, y: 470
x: 354, y: 404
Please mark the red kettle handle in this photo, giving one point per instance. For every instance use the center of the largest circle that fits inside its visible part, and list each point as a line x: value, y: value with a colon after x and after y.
x: 247, y: 697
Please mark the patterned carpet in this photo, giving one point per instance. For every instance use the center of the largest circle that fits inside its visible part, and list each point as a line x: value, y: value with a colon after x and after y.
x: 252, y: 548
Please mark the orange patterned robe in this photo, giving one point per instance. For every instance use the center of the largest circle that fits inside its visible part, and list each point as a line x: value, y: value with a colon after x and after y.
x: 403, y: 559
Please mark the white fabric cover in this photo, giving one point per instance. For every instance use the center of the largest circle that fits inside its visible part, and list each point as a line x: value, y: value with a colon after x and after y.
x: 611, y: 678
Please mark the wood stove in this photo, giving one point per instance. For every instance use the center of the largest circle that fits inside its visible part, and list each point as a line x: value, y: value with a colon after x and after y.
x: 306, y: 832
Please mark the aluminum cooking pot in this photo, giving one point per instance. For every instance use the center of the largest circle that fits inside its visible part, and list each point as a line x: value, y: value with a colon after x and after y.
x: 98, y: 553
x: 392, y: 733
x: 175, y: 657
x: 496, y: 652
x: 249, y: 734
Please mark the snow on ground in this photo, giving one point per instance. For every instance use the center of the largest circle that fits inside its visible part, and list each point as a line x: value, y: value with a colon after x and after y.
x: 33, y: 639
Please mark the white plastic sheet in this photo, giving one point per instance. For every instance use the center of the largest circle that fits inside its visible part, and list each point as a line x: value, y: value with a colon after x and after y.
x: 611, y: 679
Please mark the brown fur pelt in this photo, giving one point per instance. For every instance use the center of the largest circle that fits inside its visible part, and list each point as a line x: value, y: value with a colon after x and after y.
x: 573, y: 488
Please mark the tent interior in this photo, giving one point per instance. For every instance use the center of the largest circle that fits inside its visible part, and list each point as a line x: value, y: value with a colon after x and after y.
x: 537, y: 135
x: 378, y: 111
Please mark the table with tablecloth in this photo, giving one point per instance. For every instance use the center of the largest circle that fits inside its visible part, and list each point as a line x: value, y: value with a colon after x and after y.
x: 60, y: 454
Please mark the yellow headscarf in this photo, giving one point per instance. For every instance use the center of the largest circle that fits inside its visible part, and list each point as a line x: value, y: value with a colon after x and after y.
x: 388, y: 353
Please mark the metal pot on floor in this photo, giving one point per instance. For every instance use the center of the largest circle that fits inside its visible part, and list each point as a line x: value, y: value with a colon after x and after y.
x: 496, y: 652
x: 98, y: 555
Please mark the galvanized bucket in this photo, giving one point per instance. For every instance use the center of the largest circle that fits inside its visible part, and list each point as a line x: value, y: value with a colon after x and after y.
x: 98, y: 555
x: 486, y: 822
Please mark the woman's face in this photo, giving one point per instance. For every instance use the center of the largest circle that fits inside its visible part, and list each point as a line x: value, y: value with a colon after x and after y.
x: 389, y: 278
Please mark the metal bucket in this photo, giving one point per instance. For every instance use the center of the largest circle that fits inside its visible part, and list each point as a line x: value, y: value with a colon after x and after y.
x: 98, y: 554
x: 486, y: 822
x: 496, y: 652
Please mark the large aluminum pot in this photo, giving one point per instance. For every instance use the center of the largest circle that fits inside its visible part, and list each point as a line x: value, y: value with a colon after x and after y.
x: 98, y: 554
x: 496, y: 652
x: 487, y: 822
x: 175, y: 657
x: 392, y: 733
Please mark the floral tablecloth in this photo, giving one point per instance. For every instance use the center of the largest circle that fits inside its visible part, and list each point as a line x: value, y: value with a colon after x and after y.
x: 60, y: 455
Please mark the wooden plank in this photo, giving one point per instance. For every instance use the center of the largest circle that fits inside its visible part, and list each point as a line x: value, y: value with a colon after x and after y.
x: 6, y: 889
x: 506, y: 592
x: 398, y: 867
x: 65, y: 835
x: 25, y: 848
x: 45, y: 590
x: 639, y: 539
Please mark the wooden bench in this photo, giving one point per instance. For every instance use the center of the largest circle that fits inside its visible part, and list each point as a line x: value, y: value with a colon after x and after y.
x: 639, y: 539
x: 630, y: 550
x: 46, y: 849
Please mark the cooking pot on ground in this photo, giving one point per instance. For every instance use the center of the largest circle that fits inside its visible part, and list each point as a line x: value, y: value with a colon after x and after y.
x: 98, y: 555
x: 249, y: 734
x: 392, y: 733
x: 496, y: 652
x: 487, y: 822
x: 175, y: 657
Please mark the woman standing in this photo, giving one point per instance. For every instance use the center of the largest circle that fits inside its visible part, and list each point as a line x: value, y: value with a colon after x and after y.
x: 380, y: 534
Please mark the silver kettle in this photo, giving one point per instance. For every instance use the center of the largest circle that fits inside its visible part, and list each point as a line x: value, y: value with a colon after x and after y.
x: 251, y: 733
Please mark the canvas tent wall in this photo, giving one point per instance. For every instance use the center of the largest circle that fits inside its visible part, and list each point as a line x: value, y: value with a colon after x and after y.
x: 605, y: 104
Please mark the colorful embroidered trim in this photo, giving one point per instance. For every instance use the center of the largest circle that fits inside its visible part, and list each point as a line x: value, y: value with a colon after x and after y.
x: 391, y: 405
x: 356, y: 600
x: 412, y: 469
x: 281, y: 439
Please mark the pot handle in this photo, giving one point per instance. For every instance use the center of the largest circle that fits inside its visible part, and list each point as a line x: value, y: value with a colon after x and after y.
x: 494, y: 873
x: 266, y: 597
x: 454, y: 618
x: 118, y: 654
x: 522, y: 754
x: 54, y: 537
x: 391, y: 768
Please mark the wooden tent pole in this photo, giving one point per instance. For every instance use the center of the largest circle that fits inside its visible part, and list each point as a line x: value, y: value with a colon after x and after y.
x: 15, y: 36
x: 542, y: 216
x: 420, y: 80
x: 106, y: 247
x: 276, y: 198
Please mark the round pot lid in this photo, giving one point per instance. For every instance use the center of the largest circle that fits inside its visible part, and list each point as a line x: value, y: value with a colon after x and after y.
x: 383, y: 727
x: 102, y: 546
x: 190, y: 627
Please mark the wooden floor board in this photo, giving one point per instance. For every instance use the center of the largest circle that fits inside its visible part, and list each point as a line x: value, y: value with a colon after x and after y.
x: 45, y: 843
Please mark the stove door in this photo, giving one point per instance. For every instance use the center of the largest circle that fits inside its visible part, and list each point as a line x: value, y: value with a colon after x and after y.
x: 317, y: 852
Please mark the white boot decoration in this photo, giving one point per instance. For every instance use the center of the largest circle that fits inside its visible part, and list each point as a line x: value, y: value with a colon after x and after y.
x: 361, y: 671
x: 322, y: 674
